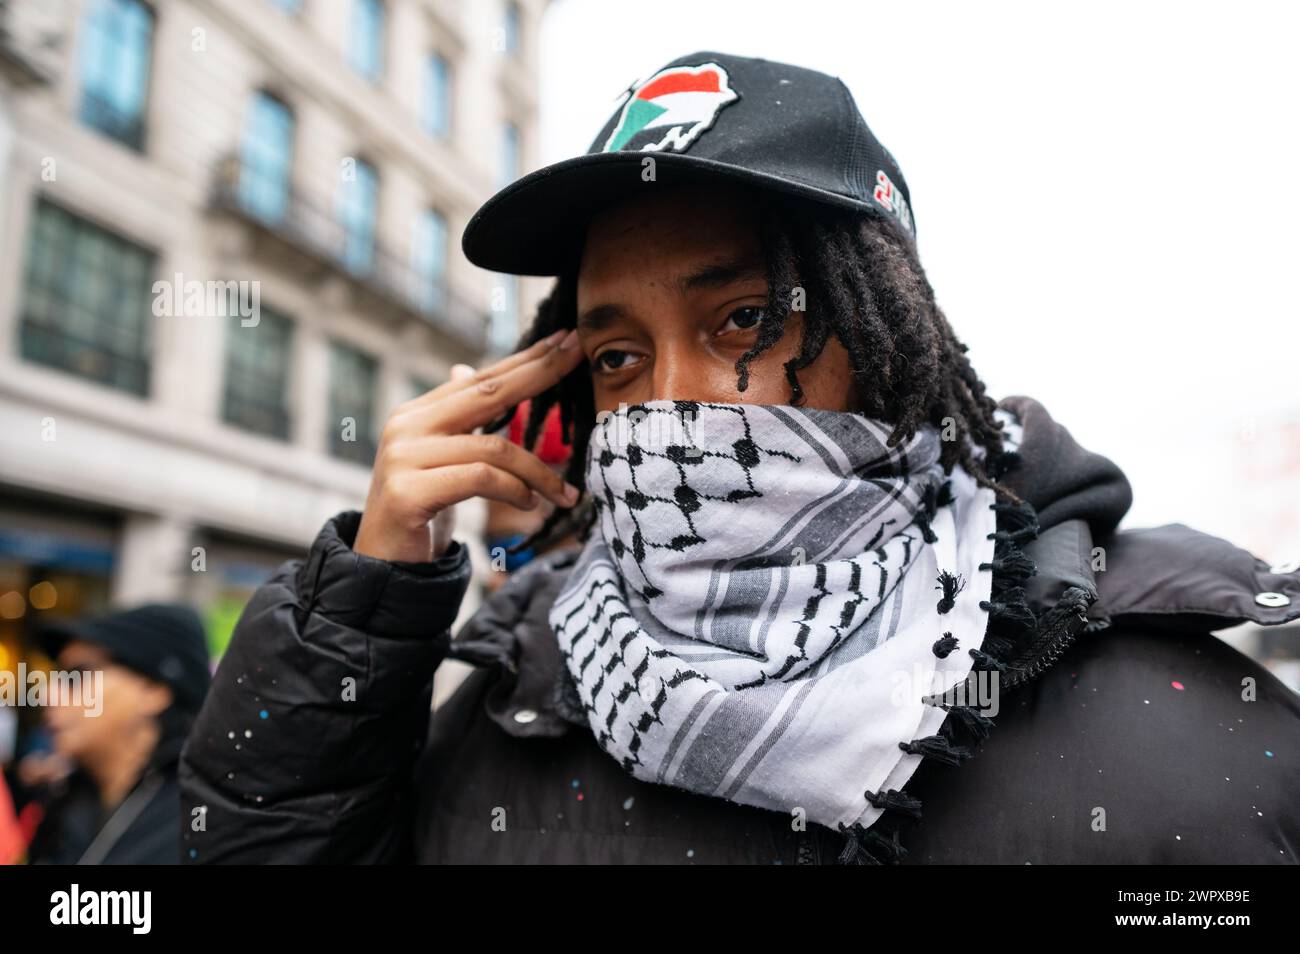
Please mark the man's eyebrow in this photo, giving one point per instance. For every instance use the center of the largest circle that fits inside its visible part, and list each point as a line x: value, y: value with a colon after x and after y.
x: 599, y: 317
x: 722, y: 274
x: 717, y: 275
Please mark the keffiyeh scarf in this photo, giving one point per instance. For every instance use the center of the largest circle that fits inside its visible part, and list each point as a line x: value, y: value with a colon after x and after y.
x: 756, y: 616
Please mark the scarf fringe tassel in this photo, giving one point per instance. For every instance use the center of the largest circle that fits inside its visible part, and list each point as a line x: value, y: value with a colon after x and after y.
x: 1009, y: 617
x: 868, y: 846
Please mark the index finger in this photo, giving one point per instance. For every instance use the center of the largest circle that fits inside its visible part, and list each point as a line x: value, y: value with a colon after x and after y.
x: 509, y: 362
x: 484, y: 401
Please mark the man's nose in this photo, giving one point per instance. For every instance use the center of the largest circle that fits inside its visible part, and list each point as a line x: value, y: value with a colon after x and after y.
x: 679, y: 375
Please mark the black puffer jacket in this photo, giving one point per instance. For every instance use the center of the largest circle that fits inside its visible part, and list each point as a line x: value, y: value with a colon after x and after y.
x: 1127, y: 732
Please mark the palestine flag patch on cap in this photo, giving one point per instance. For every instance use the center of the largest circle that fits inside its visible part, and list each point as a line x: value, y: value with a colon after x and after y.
x: 671, y: 109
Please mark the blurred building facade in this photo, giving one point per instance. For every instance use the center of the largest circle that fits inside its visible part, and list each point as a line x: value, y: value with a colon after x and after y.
x: 229, y: 245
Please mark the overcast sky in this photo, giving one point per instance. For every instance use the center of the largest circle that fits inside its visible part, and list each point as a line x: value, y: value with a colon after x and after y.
x: 1106, y: 198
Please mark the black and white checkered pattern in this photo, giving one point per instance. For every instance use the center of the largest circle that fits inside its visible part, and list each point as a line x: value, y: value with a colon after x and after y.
x: 758, y: 578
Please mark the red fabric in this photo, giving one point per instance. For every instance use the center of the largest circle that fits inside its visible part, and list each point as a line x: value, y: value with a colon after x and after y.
x: 706, y: 82
x: 550, y: 443
x: 13, y: 839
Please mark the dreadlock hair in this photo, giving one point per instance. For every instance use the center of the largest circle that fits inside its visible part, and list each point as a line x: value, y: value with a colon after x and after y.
x: 863, y: 283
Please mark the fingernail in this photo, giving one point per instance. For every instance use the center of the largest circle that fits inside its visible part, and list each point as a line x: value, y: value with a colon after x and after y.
x: 569, y: 340
x: 555, y: 336
x: 570, y: 492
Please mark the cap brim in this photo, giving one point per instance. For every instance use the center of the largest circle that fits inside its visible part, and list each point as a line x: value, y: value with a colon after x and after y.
x: 536, y: 225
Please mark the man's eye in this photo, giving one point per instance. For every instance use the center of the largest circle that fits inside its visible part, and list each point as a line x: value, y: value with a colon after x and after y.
x: 613, y: 359
x: 743, y: 319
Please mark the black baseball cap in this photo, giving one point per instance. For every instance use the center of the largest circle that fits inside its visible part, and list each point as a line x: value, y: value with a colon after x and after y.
x: 163, y: 641
x: 703, y: 117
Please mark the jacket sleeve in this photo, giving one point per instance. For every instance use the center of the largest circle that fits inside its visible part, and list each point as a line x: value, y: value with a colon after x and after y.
x: 303, y: 750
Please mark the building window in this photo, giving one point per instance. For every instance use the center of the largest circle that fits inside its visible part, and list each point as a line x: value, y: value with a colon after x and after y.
x: 508, y: 163
x: 354, y: 381
x: 367, y: 43
x: 115, y: 50
x: 358, y: 196
x: 266, y: 167
x: 435, y: 114
x: 429, y: 259
x: 257, y: 374
x: 86, y: 301
x: 513, y: 28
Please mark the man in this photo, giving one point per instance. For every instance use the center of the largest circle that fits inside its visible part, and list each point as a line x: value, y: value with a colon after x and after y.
x: 831, y: 603
x: 143, y: 674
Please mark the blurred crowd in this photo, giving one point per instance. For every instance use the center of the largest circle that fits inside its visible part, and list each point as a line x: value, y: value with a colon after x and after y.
x: 94, y: 710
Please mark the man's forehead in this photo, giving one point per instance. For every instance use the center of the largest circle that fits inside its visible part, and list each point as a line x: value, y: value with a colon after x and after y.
x: 78, y: 652
x: 686, y: 246
x: 687, y: 210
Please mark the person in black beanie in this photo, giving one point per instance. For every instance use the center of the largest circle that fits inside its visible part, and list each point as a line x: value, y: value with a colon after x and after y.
x: 144, y: 673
